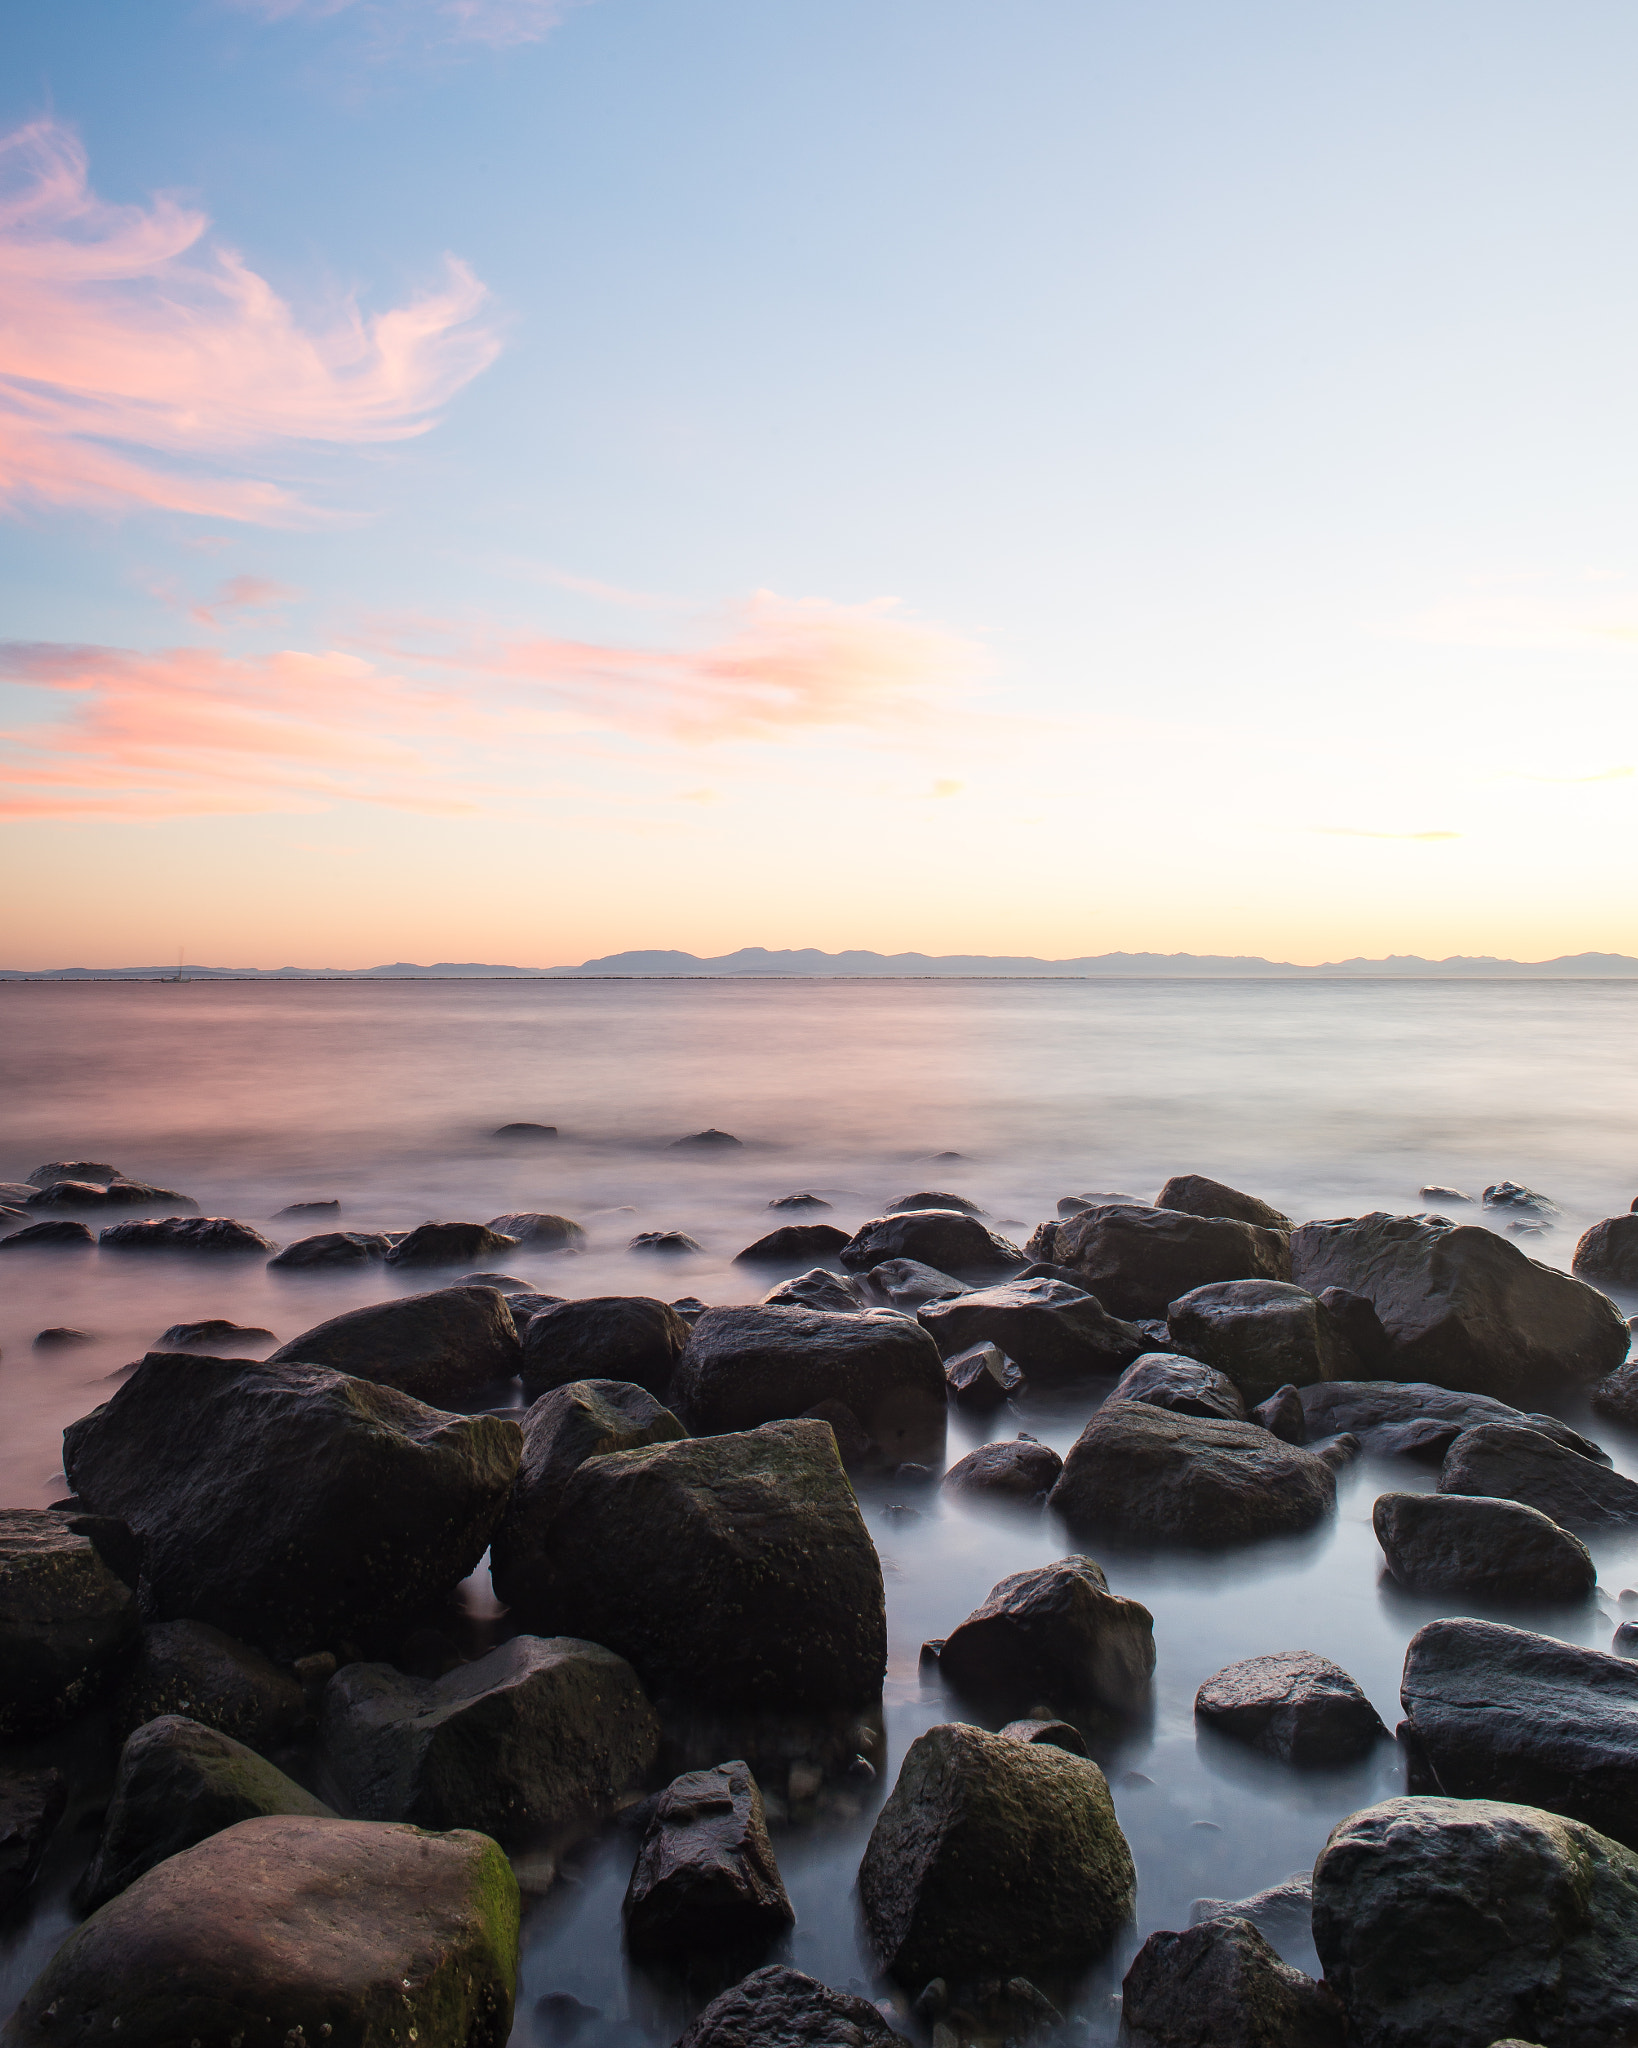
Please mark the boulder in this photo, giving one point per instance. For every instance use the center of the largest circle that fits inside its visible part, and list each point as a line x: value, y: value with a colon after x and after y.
x: 994, y: 1857
x: 447, y: 1347
x: 802, y: 1201
x: 1295, y: 1705
x: 1283, y: 1415
x: 816, y: 1289
x: 177, y: 1783
x: 1056, y: 1335
x: 448, y: 1244
x: 1195, y: 1195
x: 853, y: 1442
x: 118, y: 1193
x: 905, y: 1284
x: 1282, y: 1911
x: 185, y: 1234
x: 1607, y: 1254
x: 606, y: 1337
x: 585, y: 1419
x: 1164, y: 1380
x: 1264, y: 1334
x: 536, y: 1230
x: 981, y: 1378
x: 211, y: 1334
x: 1616, y: 1398
x: 712, y: 1140
x: 331, y: 1248
x: 1138, y: 1259
x: 66, y: 1620
x: 1219, y: 1984
x: 58, y: 1235
x: 188, y: 1667
x: 1417, y: 1420
x: 705, y: 1876
x: 31, y: 1804
x: 1516, y: 1461
x: 526, y: 1304
x: 908, y: 1204
x: 1495, y: 1549
x: 287, y: 1504
x: 745, y: 1366
x: 1020, y: 1471
x: 945, y: 1239
x: 96, y: 1171
x: 539, y: 1735
x: 732, y: 1570
x: 526, y: 1133
x: 1152, y: 1476
x: 1056, y: 1634
x: 1507, y: 1194
x: 1453, y: 1921
x: 293, y: 1929
x: 775, y: 2007
x: 292, y: 1211
x: 665, y: 1243
x: 793, y: 1244
x: 61, y: 1337
x: 1061, y: 1734
x: 1463, y: 1307
x: 504, y: 1283
x: 1501, y: 1713
x: 1362, y: 1326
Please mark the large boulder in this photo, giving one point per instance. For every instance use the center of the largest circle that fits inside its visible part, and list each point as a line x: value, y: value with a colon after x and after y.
x: 1607, y: 1254
x: 1055, y: 1635
x: 1453, y: 1923
x: 745, y: 1366
x: 944, y: 1238
x: 66, y: 1620
x: 1023, y: 1470
x: 705, y: 1876
x: 1415, y: 1419
x: 1196, y: 1195
x: 1501, y: 1713
x: 732, y: 1570
x: 286, y: 1504
x: 793, y: 1244
x: 1494, y: 1549
x: 1219, y: 1984
x: 1153, y: 1476
x: 1264, y: 1334
x: 537, y: 1230
x: 220, y: 1234
x: 1295, y: 1705
x: 287, y: 1930
x: 539, y: 1735
x: 448, y: 1244
x: 188, y: 1667
x: 446, y: 1348
x: 586, y: 1419
x: 1055, y: 1334
x: 178, y: 1782
x: 329, y: 1249
x: 775, y: 2007
x: 96, y: 1172
x: 1137, y: 1259
x: 1165, y: 1380
x: 1515, y: 1461
x: 133, y: 1196
x: 994, y: 1857
x: 906, y: 1284
x: 1462, y: 1306
x: 605, y: 1337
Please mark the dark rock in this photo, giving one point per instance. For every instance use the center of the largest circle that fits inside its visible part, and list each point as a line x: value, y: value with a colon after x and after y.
x: 1515, y: 1461
x: 526, y: 1134
x: 745, y: 1366
x: 1165, y: 1380
x: 277, y: 1928
x: 31, y: 1804
x: 179, y: 1782
x: 992, y: 1855
x: 907, y: 1203
x: 1294, y: 1705
x: 538, y: 1231
x: 906, y: 1284
x: 1137, y: 1259
x: 1461, y: 1921
x: 1439, y: 1194
x: 1362, y: 1326
x: 585, y: 1419
x: 185, y: 1234
x: 92, y: 1170
x: 665, y: 1242
x: 1265, y: 1334
x: 1061, y: 1734
x: 1220, y: 1984
x: 66, y: 1620
x: 1339, y: 1452
x: 1462, y: 1306
x: 705, y: 1141
x: 1497, y: 1549
x: 798, y: 1202
x: 524, y: 1307
x: 188, y: 1667
x: 503, y: 1283
x: 1507, y: 1194
x: 1195, y: 1195
x: 445, y: 1347
x: 793, y: 1244
x: 853, y: 1444
x: 1153, y: 1476
x: 538, y: 1735
x: 294, y: 1212
x: 58, y: 1235
x: 60, y: 1337
x: 1282, y: 1414
x: 117, y: 1194
x: 207, y: 1335
x: 448, y: 1244
x: 1023, y: 1470
x: 1055, y: 1335
x: 1056, y: 1634
x: 286, y: 1504
x: 607, y: 1336
x: 736, y: 1570
x: 981, y: 1378
x: 1043, y: 1269
x: 705, y: 1876
x: 817, y: 1289
x: 945, y: 1239
x: 331, y: 1248
x: 1616, y: 1398
x: 1608, y: 1253
x: 776, y: 2007
x: 1415, y: 1419
x: 1282, y: 1912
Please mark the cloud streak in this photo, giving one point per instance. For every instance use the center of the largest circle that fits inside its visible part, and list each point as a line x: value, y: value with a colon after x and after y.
x: 141, y: 367
x: 499, y: 24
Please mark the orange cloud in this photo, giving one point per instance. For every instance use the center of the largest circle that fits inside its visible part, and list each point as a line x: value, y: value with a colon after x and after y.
x: 136, y: 365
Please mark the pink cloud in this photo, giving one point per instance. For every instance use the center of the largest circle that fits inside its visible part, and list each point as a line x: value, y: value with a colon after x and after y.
x: 239, y: 595
x: 139, y: 367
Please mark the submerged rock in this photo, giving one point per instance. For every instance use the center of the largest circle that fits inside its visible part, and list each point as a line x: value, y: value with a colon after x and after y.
x: 816, y: 1289
x: 1219, y: 1984
x: 1616, y: 1398
x: 793, y: 1244
x: 1607, y: 1254
x: 31, y: 1804
x: 908, y: 1203
x: 1507, y: 1194
x: 447, y: 1347
x: 1055, y: 1634
x: 981, y: 1378
x: 1165, y: 1380
x: 776, y: 2007
x: 448, y: 1244
x: 1497, y: 1549
x: 117, y: 1193
x: 906, y: 1284
x: 1024, y: 1470
x: 66, y: 1620
x: 526, y: 1133
x: 1415, y: 1419
x: 185, y: 1234
x: 537, y: 1230
x: 95, y: 1171
x: 292, y: 1211
x: 667, y: 1243
x: 61, y: 1337
x: 1053, y: 1333
x: 945, y: 1239
x: 206, y: 1336
x: 607, y: 1337
x: 1137, y: 1259
x: 1295, y: 1705
x: 1264, y: 1334
x: 799, y: 1202
x: 705, y: 1876
x: 331, y: 1248
x: 188, y: 1667
x: 1282, y: 1912
x: 58, y: 1235
x: 1516, y: 1461
x: 1195, y: 1195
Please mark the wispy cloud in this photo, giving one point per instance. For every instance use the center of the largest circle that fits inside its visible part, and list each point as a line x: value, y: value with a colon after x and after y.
x: 241, y: 595
x: 140, y: 367
x: 500, y: 24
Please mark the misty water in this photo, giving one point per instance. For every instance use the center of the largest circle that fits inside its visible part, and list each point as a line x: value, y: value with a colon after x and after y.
x: 1327, y: 1098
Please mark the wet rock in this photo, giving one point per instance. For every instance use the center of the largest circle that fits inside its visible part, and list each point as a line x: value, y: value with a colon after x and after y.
x: 816, y: 1289
x: 1137, y: 1259
x: 446, y: 1347
x: 58, y: 1235
x: 536, y: 1230
x: 525, y: 1305
x: 286, y: 1504
x: 735, y: 1570
x: 745, y: 1366
x: 793, y: 1244
x: 1195, y: 1195
x: 665, y: 1242
x: 1054, y: 1334
x: 1164, y: 1380
x: 448, y: 1244
x: 1061, y: 1734
x: 331, y: 1248
x: 945, y: 1239
x: 220, y: 1234
x: 1153, y: 1476
x: 1219, y: 1984
x: 1616, y: 1398
x: 96, y: 1171
x: 1339, y: 1452
x: 214, y: 1331
x: 775, y: 2007
x: 607, y: 1336
x: 992, y: 1855
x: 1507, y: 1194
x: 31, y: 1804
x: 1515, y: 1461
x: 1056, y: 1634
x: 906, y: 1204
x: 10, y: 1218
x: 799, y: 1202
x: 66, y: 1620
x: 1496, y: 1549
x: 177, y: 1783
x: 1283, y: 1416
x: 1463, y: 1921
x: 853, y: 1444
x: 981, y: 1378
x: 1263, y: 1334
x: 117, y: 1194
x: 1282, y: 1912
x: 1418, y: 1420
x: 1501, y: 1713
x: 1295, y: 1705
x: 706, y: 1141
x: 60, y: 1337
x: 1607, y: 1254
x: 300, y: 1212
x: 503, y: 1283
x: 906, y: 1284
x: 278, y: 1928
x: 585, y: 1419
x: 540, y: 1734
x: 1463, y: 1307
x: 705, y: 1876
x: 188, y: 1667
x: 1020, y: 1471
x: 1435, y: 1193
x: 526, y: 1133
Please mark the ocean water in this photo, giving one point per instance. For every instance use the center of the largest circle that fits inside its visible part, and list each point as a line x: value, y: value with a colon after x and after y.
x: 1326, y: 1097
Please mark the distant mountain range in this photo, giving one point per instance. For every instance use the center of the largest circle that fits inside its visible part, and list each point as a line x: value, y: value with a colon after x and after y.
x: 759, y: 961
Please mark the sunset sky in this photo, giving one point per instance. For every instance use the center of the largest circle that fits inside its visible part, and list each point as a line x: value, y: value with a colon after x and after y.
x: 497, y: 480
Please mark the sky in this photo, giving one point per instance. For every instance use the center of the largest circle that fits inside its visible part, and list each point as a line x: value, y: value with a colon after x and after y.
x: 513, y: 481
